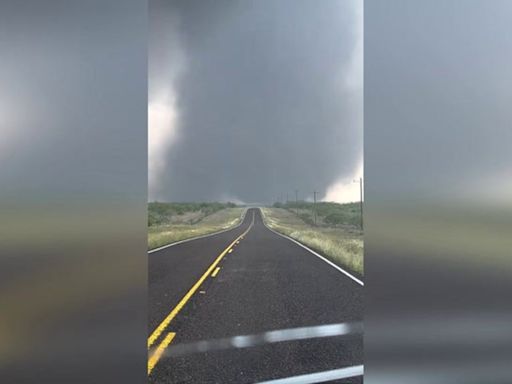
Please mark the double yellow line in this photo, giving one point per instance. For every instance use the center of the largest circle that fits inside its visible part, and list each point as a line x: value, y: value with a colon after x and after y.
x: 155, y: 356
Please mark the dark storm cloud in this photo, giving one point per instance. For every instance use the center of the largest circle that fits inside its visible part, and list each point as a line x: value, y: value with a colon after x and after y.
x: 263, y: 104
x: 437, y: 98
x: 72, y: 98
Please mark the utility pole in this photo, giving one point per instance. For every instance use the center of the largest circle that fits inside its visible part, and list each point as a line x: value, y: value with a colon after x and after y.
x: 360, y: 199
x: 297, y: 201
x: 314, y: 204
x: 286, y: 198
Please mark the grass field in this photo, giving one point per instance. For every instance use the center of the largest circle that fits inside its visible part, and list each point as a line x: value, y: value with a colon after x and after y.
x: 342, y: 243
x: 327, y: 213
x: 171, y: 222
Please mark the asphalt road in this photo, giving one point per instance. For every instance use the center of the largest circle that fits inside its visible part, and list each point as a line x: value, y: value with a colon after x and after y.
x: 202, y: 296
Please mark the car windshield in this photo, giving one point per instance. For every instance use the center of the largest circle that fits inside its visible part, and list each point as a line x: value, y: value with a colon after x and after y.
x: 255, y: 230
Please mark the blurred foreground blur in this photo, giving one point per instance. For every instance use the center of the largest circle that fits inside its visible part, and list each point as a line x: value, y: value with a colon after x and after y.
x: 73, y: 283
x: 437, y: 307
x: 73, y: 148
x: 438, y: 209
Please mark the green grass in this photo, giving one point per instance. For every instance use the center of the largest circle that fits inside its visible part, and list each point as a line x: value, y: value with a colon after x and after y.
x: 186, y: 224
x: 341, y: 243
x: 182, y: 213
x: 328, y: 213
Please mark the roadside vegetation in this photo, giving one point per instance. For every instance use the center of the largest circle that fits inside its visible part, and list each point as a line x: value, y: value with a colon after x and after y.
x: 337, y: 235
x: 171, y: 222
x: 328, y: 213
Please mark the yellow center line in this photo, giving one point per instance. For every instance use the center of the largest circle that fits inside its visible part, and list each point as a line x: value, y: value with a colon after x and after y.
x: 159, y: 351
x: 163, y: 325
x: 231, y: 250
x: 216, y: 271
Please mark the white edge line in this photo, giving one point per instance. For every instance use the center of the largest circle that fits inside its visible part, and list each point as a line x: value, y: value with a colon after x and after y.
x: 320, y: 377
x: 200, y: 237
x: 313, y: 252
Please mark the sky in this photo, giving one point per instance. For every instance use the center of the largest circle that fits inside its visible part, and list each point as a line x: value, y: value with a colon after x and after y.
x: 252, y: 100
x: 437, y: 100
x: 73, y: 90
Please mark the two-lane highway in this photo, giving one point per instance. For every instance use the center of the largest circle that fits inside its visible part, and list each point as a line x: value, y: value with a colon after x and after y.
x: 248, y: 305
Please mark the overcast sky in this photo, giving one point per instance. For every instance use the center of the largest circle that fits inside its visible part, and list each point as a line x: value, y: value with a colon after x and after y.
x: 73, y: 99
x: 437, y: 99
x: 249, y: 100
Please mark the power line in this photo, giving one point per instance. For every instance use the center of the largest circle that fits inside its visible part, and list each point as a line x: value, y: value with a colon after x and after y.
x: 360, y: 199
x: 297, y: 201
x: 314, y: 204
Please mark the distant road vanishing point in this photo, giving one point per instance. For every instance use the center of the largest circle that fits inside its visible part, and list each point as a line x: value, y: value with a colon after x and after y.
x: 247, y: 306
